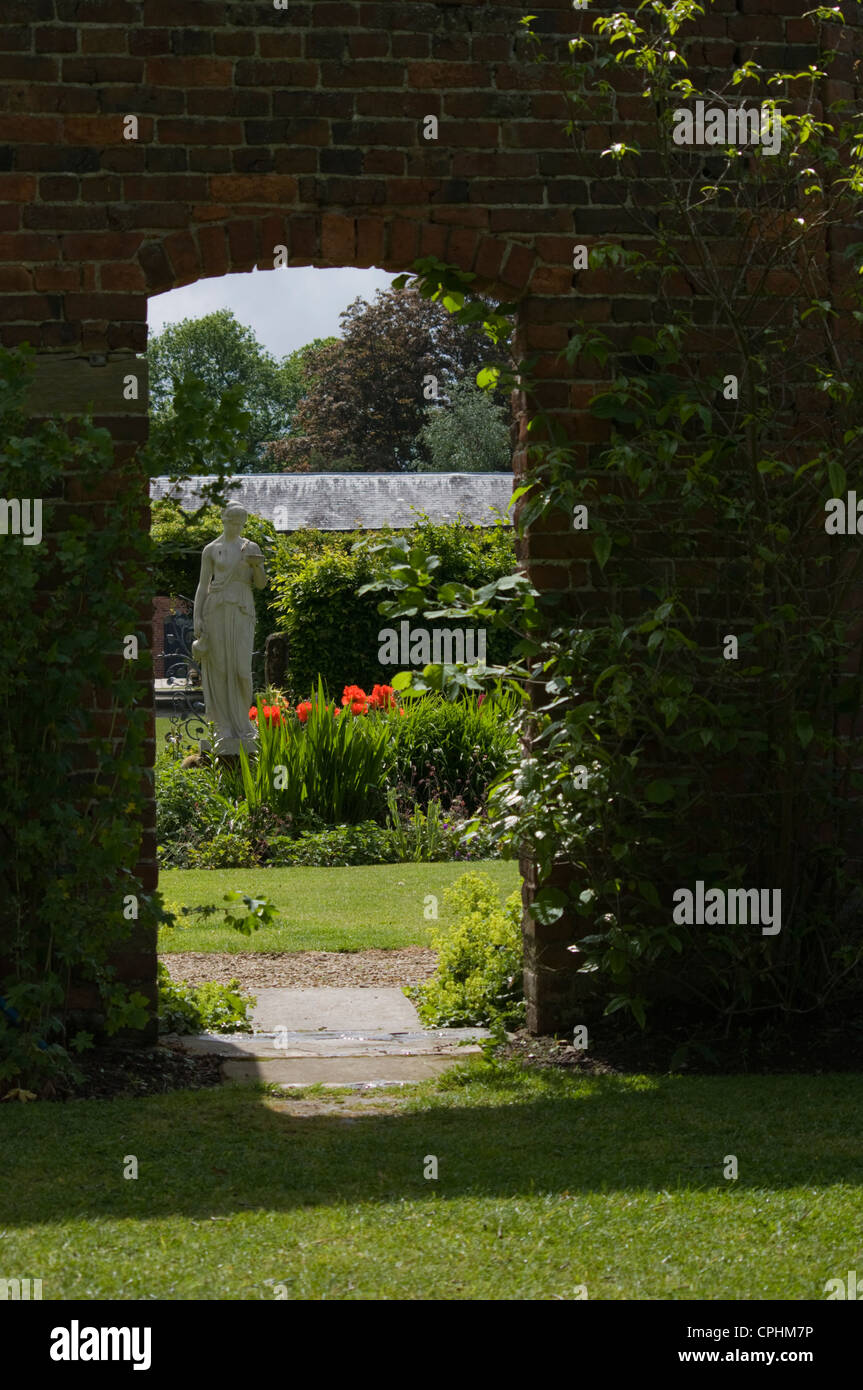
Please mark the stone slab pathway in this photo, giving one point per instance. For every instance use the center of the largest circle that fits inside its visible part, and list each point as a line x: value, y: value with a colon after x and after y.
x: 339, y: 1037
x: 313, y: 1010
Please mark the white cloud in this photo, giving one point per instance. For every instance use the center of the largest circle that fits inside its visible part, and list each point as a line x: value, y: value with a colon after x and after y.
x: 285, y: 308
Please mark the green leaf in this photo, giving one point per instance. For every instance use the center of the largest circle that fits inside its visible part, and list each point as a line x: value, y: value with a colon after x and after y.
x: 803, y: 726
x: 836, y: 476
x: 659, y: 791
x: 488, y: 378
x: 602, y: 549
x: 548, y: 905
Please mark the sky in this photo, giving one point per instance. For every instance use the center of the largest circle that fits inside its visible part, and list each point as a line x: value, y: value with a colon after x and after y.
x: 286, y: 308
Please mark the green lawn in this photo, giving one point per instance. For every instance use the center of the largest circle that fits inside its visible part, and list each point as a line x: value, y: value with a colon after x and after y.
x: 375, y: 905
x: 545, y: 1183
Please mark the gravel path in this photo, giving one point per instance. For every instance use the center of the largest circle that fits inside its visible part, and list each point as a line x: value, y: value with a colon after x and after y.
x: 303, y: 969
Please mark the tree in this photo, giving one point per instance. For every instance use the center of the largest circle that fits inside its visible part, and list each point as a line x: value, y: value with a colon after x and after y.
x: 469, y: 434
x: 367, y: 405
x: 299, y: 372
x: 221, y: 352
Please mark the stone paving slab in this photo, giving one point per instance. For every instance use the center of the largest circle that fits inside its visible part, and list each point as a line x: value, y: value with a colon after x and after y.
x: 270, y: 1046
x: 305, y: 1071
x: 298, y: 1040
x: 326, y: 1008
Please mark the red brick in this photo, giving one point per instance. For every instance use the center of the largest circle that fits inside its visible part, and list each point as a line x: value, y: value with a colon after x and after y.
x: 518, y: 266
x: 462, y: 247
x: 257, y: 188
x: 214, y: 251
x: 490, y: 258
x: 338, y: 239
x: 26, y: 247
x: 386, y: 162
x: 32, y: 129
x: 279, y: 45
x: 31, y: 307
x: 24, y: 67
x: 442, y: 77
x: 107, y: 306
x: 367, y: 75
x: 251, y: 73
x: 200, y: 132
x: 243, y: 244
x: 369, y: 46
x: 189, y: 72
x: 15, y: 277
x: 273, y: 232
x: 55, y: 40
x: 104, y: 40
x: 57, y: 277
x: 94, y: 130
x: 433, y: 239
x: 99, y: 246
x: 17, y: 188
x: 103, y: 70
x: 18, y: 40
x: 182, y: 251
x: 370, y: 241
x: 119, y: 276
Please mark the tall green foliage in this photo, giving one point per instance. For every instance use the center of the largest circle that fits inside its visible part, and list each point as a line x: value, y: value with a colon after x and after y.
x: 334, y: 765
x: 69, y: 827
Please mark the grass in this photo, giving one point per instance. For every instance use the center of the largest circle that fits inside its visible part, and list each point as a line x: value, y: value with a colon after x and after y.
x: 546, y: 1183
x: 349, y: 909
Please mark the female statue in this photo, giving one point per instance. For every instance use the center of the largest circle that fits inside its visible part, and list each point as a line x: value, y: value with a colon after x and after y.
x: 225, y: 630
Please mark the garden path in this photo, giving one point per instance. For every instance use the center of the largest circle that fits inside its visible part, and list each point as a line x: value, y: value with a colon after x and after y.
x: 338, y: 1037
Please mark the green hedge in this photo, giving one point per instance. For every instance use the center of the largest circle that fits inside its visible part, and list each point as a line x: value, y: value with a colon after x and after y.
x: 333, y: 630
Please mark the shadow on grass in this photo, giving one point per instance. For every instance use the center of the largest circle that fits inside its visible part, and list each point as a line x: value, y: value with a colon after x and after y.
x: 495, y: 1132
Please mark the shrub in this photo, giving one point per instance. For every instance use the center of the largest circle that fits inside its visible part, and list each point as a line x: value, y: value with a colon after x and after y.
x: 366, y: 843
x: 453, y: 750
x: 479, y: 974
x: 206, y: 1008
x: 333, y: 629
x: 226, y: 851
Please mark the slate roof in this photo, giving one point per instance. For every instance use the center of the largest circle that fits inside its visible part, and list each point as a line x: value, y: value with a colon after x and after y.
x: 355, y: 501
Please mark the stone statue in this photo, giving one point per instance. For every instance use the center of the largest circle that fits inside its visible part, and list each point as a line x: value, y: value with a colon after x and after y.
x: 225, y: 630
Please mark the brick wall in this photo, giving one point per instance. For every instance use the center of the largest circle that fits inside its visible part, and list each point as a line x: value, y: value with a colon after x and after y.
x: 303, y: 128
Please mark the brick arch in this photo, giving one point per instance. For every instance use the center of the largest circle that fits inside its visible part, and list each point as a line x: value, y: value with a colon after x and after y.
x: 505, y: 269
x: 261, y: 127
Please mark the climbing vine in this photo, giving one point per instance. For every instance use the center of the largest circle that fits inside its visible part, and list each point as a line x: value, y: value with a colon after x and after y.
x: 72, y: 790
x: 695, y: 728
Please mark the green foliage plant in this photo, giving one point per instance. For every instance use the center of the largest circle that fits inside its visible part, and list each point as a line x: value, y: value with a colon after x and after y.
x: 478, y: 980
x: 206, y: 1008
x: 333, y: 765
x: 318, y: 599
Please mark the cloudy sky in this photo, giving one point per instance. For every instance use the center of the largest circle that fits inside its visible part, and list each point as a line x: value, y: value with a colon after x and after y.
x: 285, y: 308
